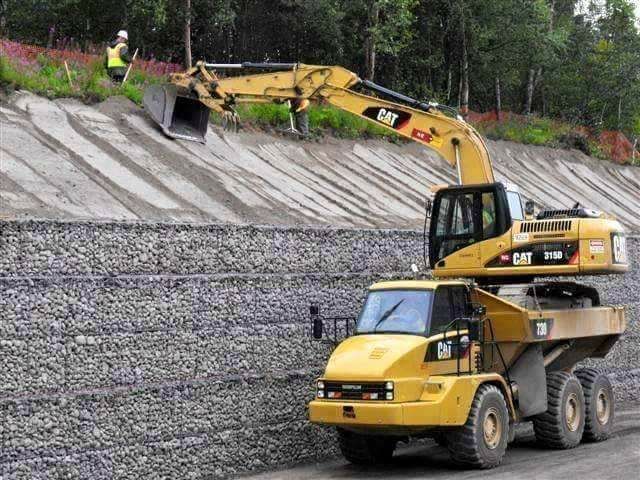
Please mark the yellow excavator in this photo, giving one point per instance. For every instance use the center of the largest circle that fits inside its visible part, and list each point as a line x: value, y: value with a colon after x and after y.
x: 478, y: 228
x: 459, y: 361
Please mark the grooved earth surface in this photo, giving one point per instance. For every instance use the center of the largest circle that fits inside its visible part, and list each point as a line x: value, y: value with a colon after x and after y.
x: 134, y: 350
x: 66, y: 160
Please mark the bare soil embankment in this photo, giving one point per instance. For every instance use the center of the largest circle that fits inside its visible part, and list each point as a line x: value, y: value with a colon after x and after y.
x: 64, y: 160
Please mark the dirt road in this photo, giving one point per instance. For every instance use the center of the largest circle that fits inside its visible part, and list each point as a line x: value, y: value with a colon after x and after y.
x: 617, y: 458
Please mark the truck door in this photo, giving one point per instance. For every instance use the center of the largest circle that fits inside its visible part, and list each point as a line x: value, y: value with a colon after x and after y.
x: 450, y: 303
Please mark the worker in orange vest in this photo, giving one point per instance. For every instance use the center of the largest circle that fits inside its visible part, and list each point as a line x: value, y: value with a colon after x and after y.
x: 118, y: 57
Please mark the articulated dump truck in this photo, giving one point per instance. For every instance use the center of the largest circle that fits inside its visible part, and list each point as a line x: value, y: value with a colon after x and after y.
x: 464, y: 365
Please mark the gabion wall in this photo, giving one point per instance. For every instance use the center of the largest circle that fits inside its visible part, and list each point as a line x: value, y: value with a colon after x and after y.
x: 183, y: 351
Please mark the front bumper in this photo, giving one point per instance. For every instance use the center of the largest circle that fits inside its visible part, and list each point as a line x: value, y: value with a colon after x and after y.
x: 382, y: 415
x: 446, y: 401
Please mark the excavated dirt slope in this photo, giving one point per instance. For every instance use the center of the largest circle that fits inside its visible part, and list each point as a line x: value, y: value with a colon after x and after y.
x: 64, y: 160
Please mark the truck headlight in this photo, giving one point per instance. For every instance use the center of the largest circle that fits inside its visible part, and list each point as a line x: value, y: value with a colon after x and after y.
x: 320, y: 389
x: 388, y: 386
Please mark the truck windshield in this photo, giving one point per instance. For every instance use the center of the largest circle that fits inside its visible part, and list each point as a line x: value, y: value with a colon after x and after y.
x: 396, y: 311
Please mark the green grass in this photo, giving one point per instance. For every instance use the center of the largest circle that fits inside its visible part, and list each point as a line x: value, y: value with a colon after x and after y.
x: 45, y: 82
x: 322, y: 120
x: 532, y: 131
x: 90, y: 82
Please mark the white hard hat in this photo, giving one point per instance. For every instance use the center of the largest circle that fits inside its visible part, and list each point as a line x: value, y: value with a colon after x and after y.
x: 123, y: 34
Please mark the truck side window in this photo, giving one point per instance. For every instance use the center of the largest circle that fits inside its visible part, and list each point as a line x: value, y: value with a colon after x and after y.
x: 459, y: 302
x: 441, y: 313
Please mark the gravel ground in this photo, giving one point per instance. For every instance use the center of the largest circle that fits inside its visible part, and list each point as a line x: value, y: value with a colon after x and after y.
x: 618, y: 457
x: 133, y: 350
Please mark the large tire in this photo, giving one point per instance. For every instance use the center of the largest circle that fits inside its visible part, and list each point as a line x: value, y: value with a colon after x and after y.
x: 599, y: 405
x: 366, y: 449
x: 562, y: 425
x: 482, y: 441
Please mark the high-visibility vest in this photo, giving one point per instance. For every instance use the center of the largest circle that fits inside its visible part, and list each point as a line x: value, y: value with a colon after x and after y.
x: 487, y: 217
x: 113, y: 54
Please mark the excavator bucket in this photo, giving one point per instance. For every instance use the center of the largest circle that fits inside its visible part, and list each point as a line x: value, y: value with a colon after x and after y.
x: 179, y: 116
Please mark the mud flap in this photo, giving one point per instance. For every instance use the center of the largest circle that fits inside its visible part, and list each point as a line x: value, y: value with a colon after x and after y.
x: 179, y: 116
x: 529, y: 374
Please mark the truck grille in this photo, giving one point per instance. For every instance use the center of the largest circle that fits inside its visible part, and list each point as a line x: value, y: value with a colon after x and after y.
x: 354, y: 390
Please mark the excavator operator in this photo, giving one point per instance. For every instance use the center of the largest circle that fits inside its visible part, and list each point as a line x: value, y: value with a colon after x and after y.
x: 488, y: 215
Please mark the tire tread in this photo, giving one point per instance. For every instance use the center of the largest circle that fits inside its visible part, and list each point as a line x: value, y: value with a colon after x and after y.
x: 462, y: 444
x: 588, y: 378
x: 548, y: 426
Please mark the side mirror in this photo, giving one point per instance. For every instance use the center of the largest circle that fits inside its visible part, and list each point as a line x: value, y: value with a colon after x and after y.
x: 317, y: 328
x: 529, y: 207
x: 314, y: 312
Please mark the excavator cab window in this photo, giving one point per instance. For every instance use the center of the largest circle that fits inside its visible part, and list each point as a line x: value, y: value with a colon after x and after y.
x: 464, y: 215
x: 515, y: 205
x: 456, y: 224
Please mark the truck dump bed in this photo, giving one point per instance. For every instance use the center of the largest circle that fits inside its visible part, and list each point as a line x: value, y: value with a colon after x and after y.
x: 517, y: 317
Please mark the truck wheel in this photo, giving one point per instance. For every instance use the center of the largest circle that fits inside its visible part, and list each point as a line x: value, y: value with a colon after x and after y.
x: 366, y: 449
x: 599, y: 404
x: 482, y: 441
x: 561, y: 426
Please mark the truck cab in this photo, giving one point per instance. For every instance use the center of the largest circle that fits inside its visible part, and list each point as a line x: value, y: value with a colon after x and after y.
x: 404, y: 336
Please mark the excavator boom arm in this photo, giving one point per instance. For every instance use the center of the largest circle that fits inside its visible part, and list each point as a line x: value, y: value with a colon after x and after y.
x: 455, y: 140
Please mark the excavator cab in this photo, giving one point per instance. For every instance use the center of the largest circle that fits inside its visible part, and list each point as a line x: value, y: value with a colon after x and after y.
x: 465, y: 216
x: 481, y: 232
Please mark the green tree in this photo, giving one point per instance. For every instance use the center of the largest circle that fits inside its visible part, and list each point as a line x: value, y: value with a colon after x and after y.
x: 383, y: 27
